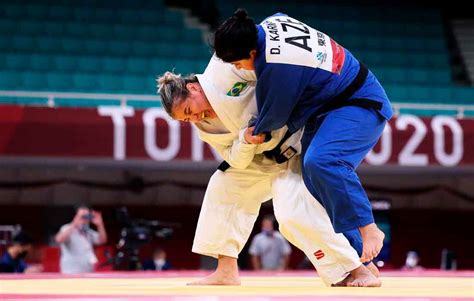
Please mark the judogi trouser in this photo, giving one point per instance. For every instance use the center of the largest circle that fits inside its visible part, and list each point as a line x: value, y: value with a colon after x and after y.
x: 232, y: 202
x: 333, y: 148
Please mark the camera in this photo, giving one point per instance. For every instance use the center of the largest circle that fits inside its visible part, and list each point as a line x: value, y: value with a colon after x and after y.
x: 88, y: 217
x: 134, y: 234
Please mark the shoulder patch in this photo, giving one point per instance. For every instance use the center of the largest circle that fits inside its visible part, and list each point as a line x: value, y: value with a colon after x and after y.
x: 237, y: 89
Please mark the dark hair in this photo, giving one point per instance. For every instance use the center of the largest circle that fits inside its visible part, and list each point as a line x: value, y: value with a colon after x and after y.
x: 269, y: 217
x: 82, y: 206
x: 22, y: 238
x: 236, y: 37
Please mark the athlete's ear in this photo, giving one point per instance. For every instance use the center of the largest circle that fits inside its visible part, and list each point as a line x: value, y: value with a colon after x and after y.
x: 253, y: 54
x: 193, y: 87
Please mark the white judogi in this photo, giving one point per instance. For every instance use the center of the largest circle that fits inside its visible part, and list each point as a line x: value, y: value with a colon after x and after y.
x: 233, y: 198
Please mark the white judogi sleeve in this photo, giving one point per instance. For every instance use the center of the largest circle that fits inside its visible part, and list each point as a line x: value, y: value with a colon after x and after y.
x: 235, y: 152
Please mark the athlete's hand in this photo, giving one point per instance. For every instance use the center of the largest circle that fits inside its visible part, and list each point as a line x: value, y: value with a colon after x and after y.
x: 251, y: 139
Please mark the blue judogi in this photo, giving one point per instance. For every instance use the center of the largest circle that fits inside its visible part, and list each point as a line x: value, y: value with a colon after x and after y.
x: 299, y: 72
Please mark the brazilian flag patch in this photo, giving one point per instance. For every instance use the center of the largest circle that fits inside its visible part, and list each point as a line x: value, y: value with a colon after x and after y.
x: 236, y: 89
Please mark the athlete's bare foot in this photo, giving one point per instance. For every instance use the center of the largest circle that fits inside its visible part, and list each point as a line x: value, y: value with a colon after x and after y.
x: 344, y: 281
x: 372, y: 242
x: 373, y: 269
x: 217, y: 278
x: 363, y: 277
x: 227, y: 273
x: 350, y: 278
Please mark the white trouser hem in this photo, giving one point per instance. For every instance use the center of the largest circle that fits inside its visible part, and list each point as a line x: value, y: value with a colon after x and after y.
x: 332, y: 274
x: 213, y: 252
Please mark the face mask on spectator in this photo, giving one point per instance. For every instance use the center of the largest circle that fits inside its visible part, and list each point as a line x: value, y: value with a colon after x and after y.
x: 268, y: 233
x: 160, y: 262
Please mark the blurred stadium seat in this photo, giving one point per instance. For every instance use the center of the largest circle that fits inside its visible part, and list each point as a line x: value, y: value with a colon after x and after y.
x: 95, y: 48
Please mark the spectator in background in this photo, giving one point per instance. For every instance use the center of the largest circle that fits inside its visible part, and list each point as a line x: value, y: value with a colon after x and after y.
x: 77, y: 241
x: 13, y: 260
x: 448, y: 260
x: 304, y: 264
x: 412, y: 262
x: 158, y: 263
x: 269, y: 250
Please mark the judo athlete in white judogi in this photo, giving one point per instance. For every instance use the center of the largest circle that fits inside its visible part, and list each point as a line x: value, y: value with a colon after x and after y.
x: 220, y: 103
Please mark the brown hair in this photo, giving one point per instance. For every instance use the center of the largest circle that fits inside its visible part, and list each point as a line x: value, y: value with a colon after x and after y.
x: 172, y: 89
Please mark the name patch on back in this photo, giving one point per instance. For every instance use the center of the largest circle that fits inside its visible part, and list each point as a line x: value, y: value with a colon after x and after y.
x: 289, y: 41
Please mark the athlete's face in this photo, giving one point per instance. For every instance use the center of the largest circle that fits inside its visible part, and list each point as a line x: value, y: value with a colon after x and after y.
x: 246, y: 64
x: 195, y: 107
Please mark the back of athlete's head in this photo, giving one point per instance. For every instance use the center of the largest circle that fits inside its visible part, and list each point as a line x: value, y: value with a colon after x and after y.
x: 172, y: 89
x: 236, y: 37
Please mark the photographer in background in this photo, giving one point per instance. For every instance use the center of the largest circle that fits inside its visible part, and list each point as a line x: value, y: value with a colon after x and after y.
x: 135, y: 233
x: 77, y: 241
x: 13, y: 260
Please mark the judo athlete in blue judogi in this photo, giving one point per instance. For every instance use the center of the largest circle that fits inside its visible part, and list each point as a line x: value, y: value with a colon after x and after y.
x: 305, y: 79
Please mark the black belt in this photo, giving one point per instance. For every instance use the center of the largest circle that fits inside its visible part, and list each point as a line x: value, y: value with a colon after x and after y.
x: 342, y: 99
x: 223, y: 166
x: 276, y: 153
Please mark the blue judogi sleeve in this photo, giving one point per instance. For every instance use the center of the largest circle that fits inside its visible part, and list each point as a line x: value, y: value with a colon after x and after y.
x: 279, y: 88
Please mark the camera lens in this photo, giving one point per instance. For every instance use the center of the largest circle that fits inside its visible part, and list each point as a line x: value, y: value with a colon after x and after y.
x: 87, y: 217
